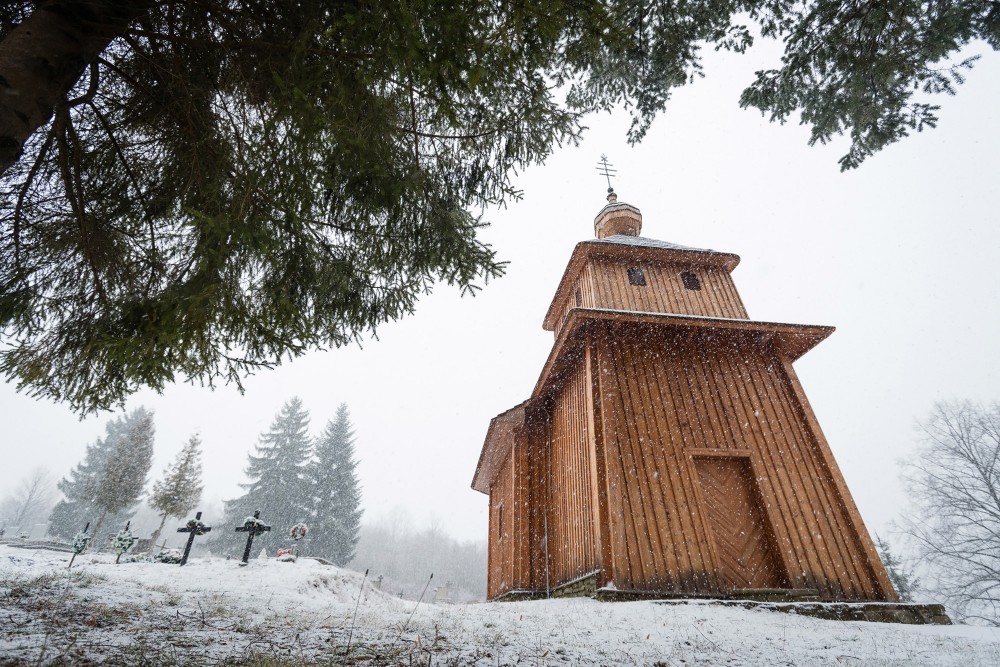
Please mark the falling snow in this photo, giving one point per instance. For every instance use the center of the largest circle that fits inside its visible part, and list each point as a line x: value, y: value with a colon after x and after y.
x: 214, y: 610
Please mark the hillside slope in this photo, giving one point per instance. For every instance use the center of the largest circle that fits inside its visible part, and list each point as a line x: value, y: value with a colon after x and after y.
x: 273, y: 613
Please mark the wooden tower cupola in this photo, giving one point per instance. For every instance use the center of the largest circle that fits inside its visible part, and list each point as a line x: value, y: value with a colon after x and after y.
x: 617, y: 218
x: 668, y: 448
x: 620, y: 270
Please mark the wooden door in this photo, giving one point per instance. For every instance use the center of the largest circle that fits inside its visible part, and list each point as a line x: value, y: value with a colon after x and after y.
x: 743, y: 539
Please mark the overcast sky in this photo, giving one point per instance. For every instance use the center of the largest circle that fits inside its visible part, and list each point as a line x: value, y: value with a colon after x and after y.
x: 899, y: 256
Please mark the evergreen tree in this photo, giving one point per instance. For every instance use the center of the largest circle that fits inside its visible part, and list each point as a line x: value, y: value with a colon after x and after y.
x: 96, y: 490
x: 340, y: 148
x: 180, y: 489
x: 73, y: 511
x: 278, y: 484
x: 901, y: 576
x: 126, y: 468
x: 337, y: 510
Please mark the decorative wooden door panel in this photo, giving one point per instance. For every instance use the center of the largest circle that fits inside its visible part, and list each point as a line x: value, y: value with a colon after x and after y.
x: 743, y: 541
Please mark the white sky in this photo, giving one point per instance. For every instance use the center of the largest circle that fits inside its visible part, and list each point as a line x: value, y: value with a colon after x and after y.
x: 899, y: 255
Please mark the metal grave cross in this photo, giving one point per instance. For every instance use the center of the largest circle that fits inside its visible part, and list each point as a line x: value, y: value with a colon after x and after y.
x: 253, y: 527
x: 194, y: 527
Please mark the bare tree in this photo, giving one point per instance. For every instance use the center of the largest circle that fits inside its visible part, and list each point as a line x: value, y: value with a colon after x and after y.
x: 31, y: 501
x: 954, y: 481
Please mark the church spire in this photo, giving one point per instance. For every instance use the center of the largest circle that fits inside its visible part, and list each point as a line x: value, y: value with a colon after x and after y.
x: 615, y: 218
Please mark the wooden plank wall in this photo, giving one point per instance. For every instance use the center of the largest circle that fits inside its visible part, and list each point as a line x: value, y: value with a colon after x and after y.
x: 665, y: 394
x: 518, y: 561
x: 500, y: 569
x: 604, y: 284
x: 537, y: 432
x: 570, y: 519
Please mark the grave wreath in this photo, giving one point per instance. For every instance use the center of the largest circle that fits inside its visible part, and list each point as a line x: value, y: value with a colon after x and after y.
x: 299, y: 531
x: 80, y: 543
x: 122, y: 542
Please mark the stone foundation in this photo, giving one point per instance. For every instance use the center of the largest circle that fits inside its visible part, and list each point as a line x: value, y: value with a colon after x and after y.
x: 877, y: 612
x: 804, y: 602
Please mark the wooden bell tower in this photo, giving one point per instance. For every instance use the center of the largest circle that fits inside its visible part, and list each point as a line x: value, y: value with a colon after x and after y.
x: 668, y: 448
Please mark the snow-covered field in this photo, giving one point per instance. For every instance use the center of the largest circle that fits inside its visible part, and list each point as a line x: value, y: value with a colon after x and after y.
x: 273, y: 613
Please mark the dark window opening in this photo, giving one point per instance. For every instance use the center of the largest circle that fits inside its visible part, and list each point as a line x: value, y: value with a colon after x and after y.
x: 579, y: 296
x: 635, y: 277
x: 500, y: 523
x: 690, y: 280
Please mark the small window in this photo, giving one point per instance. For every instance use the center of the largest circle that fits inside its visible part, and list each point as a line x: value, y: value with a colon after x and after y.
x: 500, y: 523
x: 635, y: 277
x: 579, y: 296
x: 690, y: 280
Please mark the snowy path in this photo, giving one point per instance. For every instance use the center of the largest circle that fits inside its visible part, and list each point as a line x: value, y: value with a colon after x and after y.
x: 299, y: 614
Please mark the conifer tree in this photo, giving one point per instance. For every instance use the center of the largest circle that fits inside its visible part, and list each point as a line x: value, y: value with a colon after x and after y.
x: 343, y: 150
x: 127, y: 466
x: 180, y: 489
x: 901, y: 576
x: 103, y: 487
x: 78, y: 489
x: 337, y: 493
x: 277, y: 472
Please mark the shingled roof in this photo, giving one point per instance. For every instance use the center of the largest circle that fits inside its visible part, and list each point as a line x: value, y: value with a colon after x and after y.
x: 644, y: 242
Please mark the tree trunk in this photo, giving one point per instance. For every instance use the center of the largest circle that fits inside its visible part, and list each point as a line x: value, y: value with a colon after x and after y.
x: 156, y: 533
x: 95, y: 540
x: 43, y: 57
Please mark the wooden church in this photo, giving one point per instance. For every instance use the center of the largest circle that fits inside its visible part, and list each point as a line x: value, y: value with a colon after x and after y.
x: 668, y: 448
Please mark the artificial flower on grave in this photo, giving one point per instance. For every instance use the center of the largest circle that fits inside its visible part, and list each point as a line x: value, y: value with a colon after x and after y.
x: 123, y: 541
x: 195, y: 526
x: 299, y: 531
x: 80, y: 543
x: 169, y: 556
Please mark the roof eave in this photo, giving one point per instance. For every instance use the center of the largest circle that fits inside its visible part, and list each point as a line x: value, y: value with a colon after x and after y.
x: 496, y: 446
x: 794, y: 339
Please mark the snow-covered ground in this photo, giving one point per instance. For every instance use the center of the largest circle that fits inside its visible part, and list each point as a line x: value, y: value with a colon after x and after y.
x: 274, y: 613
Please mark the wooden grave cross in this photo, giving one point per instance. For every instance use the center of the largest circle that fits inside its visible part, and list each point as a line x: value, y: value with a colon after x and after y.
x: 194, y: 527
x: 253, y: 527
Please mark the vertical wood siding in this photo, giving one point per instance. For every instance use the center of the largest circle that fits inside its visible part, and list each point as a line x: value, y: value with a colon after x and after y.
x: 500, y: 572
x: 538, y: 487
x: 666, y: 396
x: 571, y: 509
x: 604, y: 284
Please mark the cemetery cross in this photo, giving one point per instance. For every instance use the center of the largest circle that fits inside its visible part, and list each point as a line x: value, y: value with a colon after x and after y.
x: 194, y: 527
x: 80, y: 543
x: 253, y: 527
x: 122, y: 541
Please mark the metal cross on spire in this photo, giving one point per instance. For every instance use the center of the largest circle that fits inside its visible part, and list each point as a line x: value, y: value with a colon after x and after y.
x: 607, y: 170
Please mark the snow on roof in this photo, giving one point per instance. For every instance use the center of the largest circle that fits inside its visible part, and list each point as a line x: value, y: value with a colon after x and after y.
x: 645, y: 242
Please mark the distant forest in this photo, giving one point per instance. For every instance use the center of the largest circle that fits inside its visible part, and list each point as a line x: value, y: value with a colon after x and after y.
x: 405, y: 558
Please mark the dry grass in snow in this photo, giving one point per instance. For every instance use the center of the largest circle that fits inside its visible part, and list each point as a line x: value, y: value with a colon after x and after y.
x: 273, y: 613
